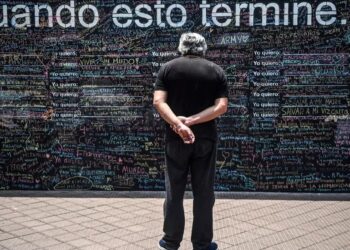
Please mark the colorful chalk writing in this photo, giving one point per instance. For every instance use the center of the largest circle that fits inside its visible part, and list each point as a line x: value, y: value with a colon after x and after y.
x: 76, y: 88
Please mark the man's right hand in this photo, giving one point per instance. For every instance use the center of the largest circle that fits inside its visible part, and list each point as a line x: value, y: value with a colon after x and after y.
x: 184, y: 132
x: 186, y: 120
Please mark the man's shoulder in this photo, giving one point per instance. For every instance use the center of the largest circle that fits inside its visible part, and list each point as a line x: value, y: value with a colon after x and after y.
x: 175, y: 60
x: 210, y: 63
x: 214, y: 66
x: 179, y: 61
x: 170, y: 63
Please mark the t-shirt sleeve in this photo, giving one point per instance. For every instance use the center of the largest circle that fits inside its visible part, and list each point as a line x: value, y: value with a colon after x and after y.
x: 222, y: 90
x: 160, y: 83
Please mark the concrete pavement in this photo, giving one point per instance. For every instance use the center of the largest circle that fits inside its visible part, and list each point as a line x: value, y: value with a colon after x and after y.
x: 133, y: 220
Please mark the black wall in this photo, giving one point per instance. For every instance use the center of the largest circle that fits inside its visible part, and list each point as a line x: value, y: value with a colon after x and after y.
x: 76, y: 103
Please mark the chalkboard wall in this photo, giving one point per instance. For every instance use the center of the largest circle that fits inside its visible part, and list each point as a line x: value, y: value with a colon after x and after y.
x: 76, y: 82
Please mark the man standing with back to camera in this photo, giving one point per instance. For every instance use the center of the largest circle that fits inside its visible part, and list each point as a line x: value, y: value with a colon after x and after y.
x: 190, y: 92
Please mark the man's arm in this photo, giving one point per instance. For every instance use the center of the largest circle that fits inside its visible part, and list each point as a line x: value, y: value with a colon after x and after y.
x: 159, y: 102
x: 219, y: 108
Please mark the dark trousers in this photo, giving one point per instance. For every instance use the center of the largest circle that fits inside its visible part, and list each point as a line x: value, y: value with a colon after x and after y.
x: 198, y: 158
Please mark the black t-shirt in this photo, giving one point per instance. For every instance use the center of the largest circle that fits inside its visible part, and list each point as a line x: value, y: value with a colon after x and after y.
x: 192, y: 85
